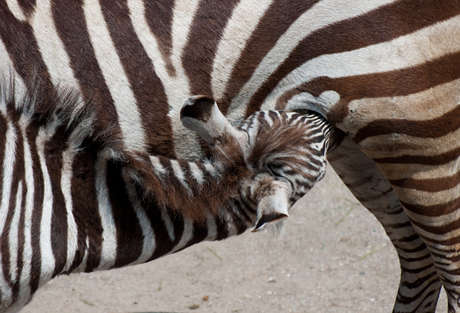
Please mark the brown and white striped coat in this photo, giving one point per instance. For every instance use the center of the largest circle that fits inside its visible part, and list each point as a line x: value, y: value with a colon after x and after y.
x: 55, y: 169
x: 386, y: 72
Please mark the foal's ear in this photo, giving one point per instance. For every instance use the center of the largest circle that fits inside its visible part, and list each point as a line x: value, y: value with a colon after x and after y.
x: 198, y: 108
x: 199, y: 114
x: 274, y: 206
x: 202, y: 115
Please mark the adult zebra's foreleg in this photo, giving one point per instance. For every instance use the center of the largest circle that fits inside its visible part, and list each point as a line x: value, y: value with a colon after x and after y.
x: 419, y: 286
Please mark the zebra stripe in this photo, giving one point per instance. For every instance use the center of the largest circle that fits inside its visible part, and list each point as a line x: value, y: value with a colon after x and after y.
x: 51, y: 48
x: 268, y: 70
x: 75, y: 199
x: 243, y: 25
x: 112, y: 70
x: 385, y: 72
x: 66, y: 187
x: 8, y: 166
x: 46, y: 250
x: 109, y: 229
x: 24, y: 279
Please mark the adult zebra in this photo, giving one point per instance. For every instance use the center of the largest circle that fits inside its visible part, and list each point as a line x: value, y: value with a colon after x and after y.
x: 385, y: 72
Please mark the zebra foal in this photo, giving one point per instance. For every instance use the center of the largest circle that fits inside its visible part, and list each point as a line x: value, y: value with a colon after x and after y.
x: 59, y: 169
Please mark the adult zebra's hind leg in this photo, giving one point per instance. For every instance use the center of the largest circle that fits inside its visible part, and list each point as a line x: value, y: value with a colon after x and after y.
x: 419, y: 286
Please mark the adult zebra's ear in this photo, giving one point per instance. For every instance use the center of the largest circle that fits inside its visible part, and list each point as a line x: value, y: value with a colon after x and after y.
x: 273, y: 204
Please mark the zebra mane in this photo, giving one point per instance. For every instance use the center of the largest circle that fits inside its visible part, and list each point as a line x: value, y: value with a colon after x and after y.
x: 162, y: 186
x: 58, y: 114
x: 280, y: 141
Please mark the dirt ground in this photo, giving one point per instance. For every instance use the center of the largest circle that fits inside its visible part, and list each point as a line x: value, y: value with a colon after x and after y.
x: 333, y: 257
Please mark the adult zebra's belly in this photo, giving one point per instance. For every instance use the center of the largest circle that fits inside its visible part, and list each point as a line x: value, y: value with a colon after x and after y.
x: 414, y: 139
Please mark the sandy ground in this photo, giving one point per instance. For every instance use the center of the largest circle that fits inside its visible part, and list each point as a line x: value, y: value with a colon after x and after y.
x: 333, y: 257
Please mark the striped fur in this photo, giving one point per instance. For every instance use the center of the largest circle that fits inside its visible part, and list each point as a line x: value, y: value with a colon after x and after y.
x: 291, y: 146
x: 58, y: 164
x: 385, y: 72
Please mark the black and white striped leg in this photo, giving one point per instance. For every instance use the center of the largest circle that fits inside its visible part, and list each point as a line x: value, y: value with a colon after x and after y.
x: 420, y: 285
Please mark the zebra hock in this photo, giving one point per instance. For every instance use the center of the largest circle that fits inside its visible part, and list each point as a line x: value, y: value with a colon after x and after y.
x: 57, y: 161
